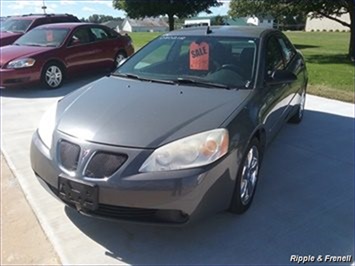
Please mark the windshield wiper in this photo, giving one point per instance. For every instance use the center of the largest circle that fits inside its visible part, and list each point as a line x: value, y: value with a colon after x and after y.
x: 133, y: 76
x: 201, y: 82
x: 34, y: 44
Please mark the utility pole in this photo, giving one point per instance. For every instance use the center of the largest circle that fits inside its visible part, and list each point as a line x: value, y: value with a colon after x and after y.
x: 44, y: 7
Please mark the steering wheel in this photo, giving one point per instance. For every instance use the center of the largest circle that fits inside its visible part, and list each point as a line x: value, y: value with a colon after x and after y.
x: 231, y: 67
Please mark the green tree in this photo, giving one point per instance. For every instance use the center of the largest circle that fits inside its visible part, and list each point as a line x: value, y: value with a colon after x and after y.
x: 171, y: 8
x: 218, y: 20
x: 331, y: 9
x: 95, y: 18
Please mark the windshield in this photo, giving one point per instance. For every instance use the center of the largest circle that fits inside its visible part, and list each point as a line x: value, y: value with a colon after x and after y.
x: 43, y: 37
x: 15, y: 25
x: 195, y: 60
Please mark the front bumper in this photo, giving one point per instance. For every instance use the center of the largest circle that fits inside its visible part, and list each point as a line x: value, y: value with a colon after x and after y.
x: 174, y: 197
x: 17, y: 77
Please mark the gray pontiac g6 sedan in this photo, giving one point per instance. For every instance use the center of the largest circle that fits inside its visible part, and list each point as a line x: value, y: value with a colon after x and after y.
x: 177, y: 131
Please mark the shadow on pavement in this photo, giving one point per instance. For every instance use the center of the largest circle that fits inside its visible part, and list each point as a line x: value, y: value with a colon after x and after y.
x: 304, y: 206
x: 41, y: 92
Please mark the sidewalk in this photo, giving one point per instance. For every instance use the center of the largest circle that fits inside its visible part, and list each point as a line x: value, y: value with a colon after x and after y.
x: 23, y: 241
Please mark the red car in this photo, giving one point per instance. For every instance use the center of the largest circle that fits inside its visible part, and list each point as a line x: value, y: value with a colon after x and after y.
x: 49, y: 53
x: 14, y: 27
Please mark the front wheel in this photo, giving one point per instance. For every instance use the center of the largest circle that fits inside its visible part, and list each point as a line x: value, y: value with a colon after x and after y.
x: 247, y: 179
x: 52, y: 76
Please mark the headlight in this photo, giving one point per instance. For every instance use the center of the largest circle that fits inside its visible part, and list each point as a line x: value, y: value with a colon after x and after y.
x: 21, y: 63
x: 193, y: 151
x: 47, y: 125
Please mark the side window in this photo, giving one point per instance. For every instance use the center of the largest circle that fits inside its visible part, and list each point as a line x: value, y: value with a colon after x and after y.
x: 287, y: 49
x: 36, y: 22
x: 274, y: 58
x: 112, y: 34
x: 82, y: 36
x: 100, y: 33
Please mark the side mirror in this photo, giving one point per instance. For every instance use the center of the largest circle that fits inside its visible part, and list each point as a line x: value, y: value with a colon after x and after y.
x: 281, y: 77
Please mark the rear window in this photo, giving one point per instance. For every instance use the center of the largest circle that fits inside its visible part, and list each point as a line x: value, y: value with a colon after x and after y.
x: 15, y: 25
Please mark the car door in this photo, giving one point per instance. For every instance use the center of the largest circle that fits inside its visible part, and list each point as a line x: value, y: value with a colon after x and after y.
x: 274, y: 103
x: 106, y: 44
x: 293, y: 63
x: 82, y: 52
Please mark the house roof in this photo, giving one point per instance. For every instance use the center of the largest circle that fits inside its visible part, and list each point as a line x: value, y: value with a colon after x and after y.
x: 147, y: 22
x: 198, y: 18
x: 113, y: 23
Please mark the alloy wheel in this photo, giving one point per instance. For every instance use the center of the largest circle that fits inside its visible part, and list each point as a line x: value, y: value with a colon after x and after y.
x: 249, y: 175
x: 53, y: 76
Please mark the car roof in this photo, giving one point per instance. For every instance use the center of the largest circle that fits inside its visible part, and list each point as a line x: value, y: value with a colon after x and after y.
x: 67, y: 25
x: 224, y: 31
x: 36, y: 16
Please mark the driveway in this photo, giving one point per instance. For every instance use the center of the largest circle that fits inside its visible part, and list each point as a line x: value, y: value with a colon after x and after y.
x: 304, y: 204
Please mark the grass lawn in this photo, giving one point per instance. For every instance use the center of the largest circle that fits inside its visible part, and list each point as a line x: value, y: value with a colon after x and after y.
x: 142, y: 38
x: 331, y: 74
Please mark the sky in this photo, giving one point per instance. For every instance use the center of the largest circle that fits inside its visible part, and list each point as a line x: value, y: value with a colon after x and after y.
x: 79, y: 8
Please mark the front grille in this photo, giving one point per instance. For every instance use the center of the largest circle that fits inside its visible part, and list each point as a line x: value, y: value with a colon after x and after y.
x: 104, y: 164
x: 125, y: 212
x: 69, y: 155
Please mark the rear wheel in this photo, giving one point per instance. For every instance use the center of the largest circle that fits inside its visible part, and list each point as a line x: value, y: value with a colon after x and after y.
x: 247, y: 178
x: 298, y: 116
x: 52, y: 75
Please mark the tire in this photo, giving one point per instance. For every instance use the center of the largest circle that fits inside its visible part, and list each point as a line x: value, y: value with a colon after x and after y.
x: 119, y: 57
x: 247, y: 178
x: 298, y: 116
x: 52, y: 75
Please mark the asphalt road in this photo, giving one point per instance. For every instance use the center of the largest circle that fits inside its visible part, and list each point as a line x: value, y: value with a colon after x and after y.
x: 304, y: 203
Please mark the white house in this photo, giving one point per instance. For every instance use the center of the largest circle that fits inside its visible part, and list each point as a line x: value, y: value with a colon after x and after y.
x: 265, y: 22
x: 326, y: 24
x: 114, y: 24
x: 145, y: 25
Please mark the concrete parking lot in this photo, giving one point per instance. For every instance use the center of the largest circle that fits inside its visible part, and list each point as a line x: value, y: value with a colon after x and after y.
x: 304, y: 204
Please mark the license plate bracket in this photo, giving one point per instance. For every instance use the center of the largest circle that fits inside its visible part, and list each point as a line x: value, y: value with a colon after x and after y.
x: 83, y: 195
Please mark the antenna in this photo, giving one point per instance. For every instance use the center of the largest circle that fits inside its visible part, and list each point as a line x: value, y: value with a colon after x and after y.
x: 44, y: 7
x: 208, y: 31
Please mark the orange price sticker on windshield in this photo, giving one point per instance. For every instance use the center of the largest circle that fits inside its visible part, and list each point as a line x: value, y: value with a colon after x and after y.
x: 199, y: 56
x: 49, y: 36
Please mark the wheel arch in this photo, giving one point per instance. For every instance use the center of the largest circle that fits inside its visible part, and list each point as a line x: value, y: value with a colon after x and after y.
x: 260, y: 134
x: 56, y: 61
x: 122, y: 51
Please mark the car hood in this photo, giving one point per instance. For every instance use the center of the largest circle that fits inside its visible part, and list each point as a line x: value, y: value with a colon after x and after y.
x: 11, y: 52
x: 140, y: 114
x: 8, y: 37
